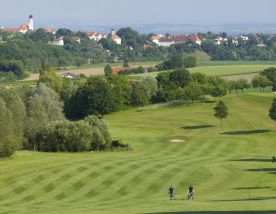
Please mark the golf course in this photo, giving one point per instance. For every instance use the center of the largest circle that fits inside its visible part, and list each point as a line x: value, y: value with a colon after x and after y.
x: 228, y: 163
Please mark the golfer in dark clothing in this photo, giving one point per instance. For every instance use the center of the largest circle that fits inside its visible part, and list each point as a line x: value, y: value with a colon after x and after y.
x: 171, y: 192
x: 190, y: 192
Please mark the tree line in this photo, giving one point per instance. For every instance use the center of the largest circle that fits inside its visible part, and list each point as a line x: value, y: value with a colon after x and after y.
x: 33, y: 118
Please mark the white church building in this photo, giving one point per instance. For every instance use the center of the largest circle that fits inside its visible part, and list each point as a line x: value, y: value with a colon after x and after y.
x: 22, y: 28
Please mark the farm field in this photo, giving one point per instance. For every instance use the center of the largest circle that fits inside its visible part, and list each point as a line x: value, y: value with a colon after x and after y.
x: 221, y: 70
x: 94, y: 70
x: 175, y: 143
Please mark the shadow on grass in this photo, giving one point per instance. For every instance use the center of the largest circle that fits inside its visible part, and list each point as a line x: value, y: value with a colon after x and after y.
x: 271, y: 170
x: 251, y: 188
x: 198, y: 127
x: 252, y: 160
x: 179, y: 103
x: 252, y: 199
x: 246, y: 132
x: 217, y: 212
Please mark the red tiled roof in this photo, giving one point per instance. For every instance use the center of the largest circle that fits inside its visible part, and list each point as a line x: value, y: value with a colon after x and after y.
x: 179, y: 38
x: 194, y: 38
x: 24, y: 27
x: 90, y: 33
x: 114, y: 36
x: 11, y: 29
x: 155, y: 38
x: 49, y: 30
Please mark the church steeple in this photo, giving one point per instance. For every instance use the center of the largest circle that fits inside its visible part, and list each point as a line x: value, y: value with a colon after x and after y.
x: 31, y: 22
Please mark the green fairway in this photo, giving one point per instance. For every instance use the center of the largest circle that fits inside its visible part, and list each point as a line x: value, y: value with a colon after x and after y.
x: 180, y: 144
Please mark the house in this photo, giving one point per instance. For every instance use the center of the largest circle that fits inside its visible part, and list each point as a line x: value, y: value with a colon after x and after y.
x: 220, y: 40
x: 235, y: 40
x: 69, y: 75
x: 113, y: 36
x: 23, y: 28
x: 155, y: 39
x: 57, y: 41
x: 165, y: 42
x: 178, y: 39
x: 195, y: 39
x: 96, y: 36
x: 244, y: 38
x: 175, y: 39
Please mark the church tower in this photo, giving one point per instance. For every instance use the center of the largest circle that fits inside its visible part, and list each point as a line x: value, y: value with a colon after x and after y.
x: 31, y: 22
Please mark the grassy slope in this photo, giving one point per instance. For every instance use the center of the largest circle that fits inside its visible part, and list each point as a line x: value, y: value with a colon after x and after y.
x: 226, y: 169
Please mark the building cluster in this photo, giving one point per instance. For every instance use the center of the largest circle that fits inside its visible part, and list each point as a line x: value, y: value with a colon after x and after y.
x: 95, y: 36
x: 168, y: 40
x: 59, y: 41
x: 22, y: 28
x: 160, y: 40
x: 219, y: 40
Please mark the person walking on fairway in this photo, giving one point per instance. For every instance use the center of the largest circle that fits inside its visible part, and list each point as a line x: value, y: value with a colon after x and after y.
x: 190, y: 192
x: 171, y: 192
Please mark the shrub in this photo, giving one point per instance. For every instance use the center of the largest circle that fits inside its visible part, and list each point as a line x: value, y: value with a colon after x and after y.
x: 151, y: 69
x: 13, y: 66
x: 90, y: 134
x: 118, y: 145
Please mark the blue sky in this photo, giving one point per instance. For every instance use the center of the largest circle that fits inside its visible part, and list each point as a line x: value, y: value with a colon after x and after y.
x: 98, y: 12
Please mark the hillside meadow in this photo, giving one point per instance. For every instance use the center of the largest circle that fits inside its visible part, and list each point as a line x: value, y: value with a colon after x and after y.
x: 175, y: 143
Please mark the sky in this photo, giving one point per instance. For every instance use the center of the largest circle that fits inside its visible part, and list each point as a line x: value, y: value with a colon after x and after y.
x: 100, y: 12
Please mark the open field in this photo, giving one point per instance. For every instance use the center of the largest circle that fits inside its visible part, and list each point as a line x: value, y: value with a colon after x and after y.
x: 238, y: 71
x: 221, y: 68
x: 93, y: 70
x: 177, y: 144
x: 247, y: 77
x: 227, y: 71
x: 220, y: 63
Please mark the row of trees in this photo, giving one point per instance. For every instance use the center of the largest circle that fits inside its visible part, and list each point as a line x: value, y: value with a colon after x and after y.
x: 102, y: 95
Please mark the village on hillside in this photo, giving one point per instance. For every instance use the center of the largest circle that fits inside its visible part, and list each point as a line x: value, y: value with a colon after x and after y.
x: 160, y: 40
